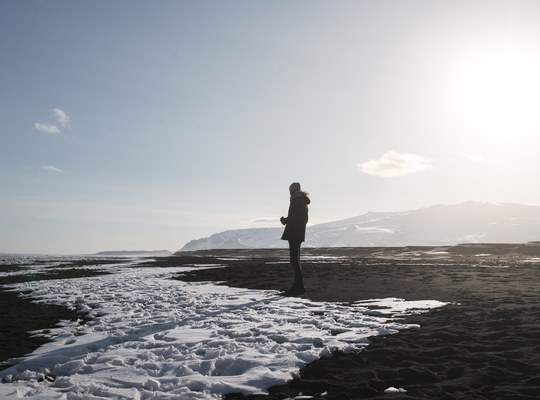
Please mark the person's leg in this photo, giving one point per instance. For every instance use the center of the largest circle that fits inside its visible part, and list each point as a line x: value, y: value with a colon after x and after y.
x: 294, y: 251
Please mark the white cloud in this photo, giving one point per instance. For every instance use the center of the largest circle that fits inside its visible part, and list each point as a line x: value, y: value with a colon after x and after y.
x: 61, y: 117
x: 46, y: 128
x: 52, y: 170
x: 393, y: 164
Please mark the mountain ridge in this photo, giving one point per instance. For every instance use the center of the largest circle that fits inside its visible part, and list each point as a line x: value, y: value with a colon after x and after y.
x: 440, y: 224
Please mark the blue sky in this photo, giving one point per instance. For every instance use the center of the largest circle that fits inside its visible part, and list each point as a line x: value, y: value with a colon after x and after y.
x: 142, y: 125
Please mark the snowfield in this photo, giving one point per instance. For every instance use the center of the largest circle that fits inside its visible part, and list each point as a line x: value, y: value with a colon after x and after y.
x: 152, y: 337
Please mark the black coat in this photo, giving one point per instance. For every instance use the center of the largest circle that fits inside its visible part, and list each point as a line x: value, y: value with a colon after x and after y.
x: 297, y: 218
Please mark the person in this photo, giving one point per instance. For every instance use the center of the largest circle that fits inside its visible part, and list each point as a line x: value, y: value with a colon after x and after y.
x: 295, y: 234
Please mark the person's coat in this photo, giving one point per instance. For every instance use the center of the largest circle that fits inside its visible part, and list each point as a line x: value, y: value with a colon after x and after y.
x: 297, y: 218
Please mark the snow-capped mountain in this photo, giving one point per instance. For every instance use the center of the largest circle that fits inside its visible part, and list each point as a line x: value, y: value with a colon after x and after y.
x: 468, y: 222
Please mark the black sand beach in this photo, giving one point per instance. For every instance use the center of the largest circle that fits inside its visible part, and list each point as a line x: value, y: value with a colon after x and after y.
x: 484, y: 345
x: 21, y: 315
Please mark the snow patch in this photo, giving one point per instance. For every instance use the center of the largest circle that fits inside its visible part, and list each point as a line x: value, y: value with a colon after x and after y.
x: 154, y: 337
x: 392, y: 389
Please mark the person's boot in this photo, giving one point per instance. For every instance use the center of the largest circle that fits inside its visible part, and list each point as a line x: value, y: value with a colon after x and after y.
x: 295, y: 290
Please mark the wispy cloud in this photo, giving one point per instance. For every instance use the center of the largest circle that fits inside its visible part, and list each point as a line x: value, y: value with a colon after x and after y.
x: 61, y: 117
x: 265, y: 220
x: 52, y: 170
x: 393, y: 164
x: 46, y: 128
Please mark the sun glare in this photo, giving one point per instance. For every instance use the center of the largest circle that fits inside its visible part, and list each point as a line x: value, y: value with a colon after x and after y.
x: 499, y: 93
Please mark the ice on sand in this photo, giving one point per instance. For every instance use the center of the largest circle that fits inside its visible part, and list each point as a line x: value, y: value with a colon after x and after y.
x: 157, y: 338
x: 392, y: 389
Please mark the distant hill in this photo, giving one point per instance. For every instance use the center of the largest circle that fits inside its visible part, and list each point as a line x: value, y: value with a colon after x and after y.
x: 469, y: 222
x: 135, y: 253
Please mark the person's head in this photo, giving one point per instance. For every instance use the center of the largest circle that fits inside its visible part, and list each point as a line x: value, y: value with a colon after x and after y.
x: 295, y: 186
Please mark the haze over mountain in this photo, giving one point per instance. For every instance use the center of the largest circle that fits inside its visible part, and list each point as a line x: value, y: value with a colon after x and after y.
x: 469, y: 222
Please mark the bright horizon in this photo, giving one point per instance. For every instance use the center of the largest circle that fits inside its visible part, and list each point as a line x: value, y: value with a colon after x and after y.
x: 140, y: 126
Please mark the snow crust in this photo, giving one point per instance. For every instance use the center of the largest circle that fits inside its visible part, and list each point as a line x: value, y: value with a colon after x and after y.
x: 392, y: 389
x: 156, y: 338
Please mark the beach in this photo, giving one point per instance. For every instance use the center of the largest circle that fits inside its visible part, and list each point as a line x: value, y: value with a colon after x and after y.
x: 485, y: 344
x: 146, y: 322
x: 22, y: 316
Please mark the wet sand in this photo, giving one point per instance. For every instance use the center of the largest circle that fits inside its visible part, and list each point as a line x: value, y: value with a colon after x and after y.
x: 484, y: 345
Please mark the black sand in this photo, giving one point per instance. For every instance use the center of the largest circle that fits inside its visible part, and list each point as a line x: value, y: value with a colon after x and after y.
x: 485, y: 345
x: 21, y: 315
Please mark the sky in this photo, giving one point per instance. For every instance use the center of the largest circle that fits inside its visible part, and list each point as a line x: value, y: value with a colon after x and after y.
x: 136, y: 125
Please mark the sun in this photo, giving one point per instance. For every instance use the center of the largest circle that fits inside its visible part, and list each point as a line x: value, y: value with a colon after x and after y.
x: 498, y: 92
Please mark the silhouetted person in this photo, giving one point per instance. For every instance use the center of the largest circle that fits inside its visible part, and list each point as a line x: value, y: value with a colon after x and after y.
x: 295, y: 233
